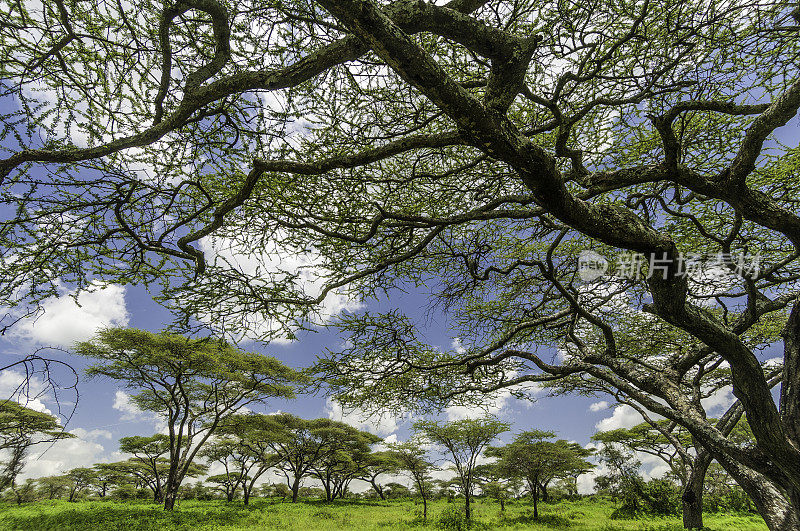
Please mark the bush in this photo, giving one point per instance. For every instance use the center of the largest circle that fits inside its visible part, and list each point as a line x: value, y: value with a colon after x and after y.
x: 662, y: 497
x: 124, y: 492
x: 454, y: 519
x: 730, y: 500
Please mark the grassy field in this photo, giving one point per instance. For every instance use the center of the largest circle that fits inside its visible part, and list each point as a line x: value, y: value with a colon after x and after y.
x: 584, y: 515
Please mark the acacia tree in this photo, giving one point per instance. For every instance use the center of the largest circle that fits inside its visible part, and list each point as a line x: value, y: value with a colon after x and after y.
x: 247, y: 443
x: 344, y: 458
x: 20, y: 428
x: 413, y: 458
x: 313, y: 447
x: 109, y: 475
x: 687, y: 462
x: 376, y: 464
x: 150, y: 452
x: 464, y: 442
x: 538, y: 461
x: 496, y: 483
x: 192, y: 383
x: 481, y: 144
x: 80, y: 479
x: 51, y: 487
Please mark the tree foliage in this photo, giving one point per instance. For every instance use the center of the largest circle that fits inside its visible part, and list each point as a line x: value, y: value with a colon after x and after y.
x: 191, y: 383
x: 322, y: 153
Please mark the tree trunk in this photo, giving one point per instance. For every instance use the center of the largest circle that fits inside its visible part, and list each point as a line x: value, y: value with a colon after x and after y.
x: 246, y: 494
x: 502, y: 505
x: 777, y: 509
x: 535, y: 503
x: 170, y: 496
x: 424, y: 507
x: 545, y: 495
x: 295, y: 488
x: 378, y: 488
x: 467, y: 508
x: 692, y: 496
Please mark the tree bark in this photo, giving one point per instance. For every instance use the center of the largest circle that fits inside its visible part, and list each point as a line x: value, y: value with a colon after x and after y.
x: 170, y: 496
x: 692, y: 496
x: 377, y: 488
x: 467, y: 508
x: 773, y: 504
x: 295, y: 488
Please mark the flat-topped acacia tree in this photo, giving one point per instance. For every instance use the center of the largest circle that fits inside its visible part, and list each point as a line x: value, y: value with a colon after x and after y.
x: 192, y: 384
x: 272, y: 162
x: 463, y: 442
x: 20, y: 428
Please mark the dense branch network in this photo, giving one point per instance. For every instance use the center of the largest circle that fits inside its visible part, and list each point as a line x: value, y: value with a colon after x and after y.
x: 270, y: 164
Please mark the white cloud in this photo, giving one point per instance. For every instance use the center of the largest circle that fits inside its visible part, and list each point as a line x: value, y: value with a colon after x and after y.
x: 124, y: 404
x: 65, y: 321
x: 598, y: 406
x: 624, y: 416
x: 13, y: 386
x: 64, y: 455
x: 380, y: 425
x: 131, y: 412
x: 721, y: 399
x: 303, y: 269
x: 457, y: 346
x: 92, y: 435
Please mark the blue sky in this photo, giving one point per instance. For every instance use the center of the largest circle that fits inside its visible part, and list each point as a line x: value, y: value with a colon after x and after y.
x: 103, y: 415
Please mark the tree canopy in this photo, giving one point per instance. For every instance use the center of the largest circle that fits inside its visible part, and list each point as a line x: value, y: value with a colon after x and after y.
x: 321, y: 153
x: 191, y: 383
x: 537, y: 460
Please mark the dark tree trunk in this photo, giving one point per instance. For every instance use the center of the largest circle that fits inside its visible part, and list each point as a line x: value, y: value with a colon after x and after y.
x: 692, y: 496
x: 467, y: 508
x: 543, y: 490
x: 377, y: 488
x: 170, y: 496
x: 502, y: 505
x: 295, y: 488
x: 246, y: 494
x: 773, y: 504
x: 535, y: 502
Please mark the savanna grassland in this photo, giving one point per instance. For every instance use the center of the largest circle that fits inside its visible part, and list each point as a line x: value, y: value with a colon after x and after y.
x: 581, y: 515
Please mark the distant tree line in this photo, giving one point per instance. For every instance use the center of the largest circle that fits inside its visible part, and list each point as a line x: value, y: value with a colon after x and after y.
x: 199, y: 387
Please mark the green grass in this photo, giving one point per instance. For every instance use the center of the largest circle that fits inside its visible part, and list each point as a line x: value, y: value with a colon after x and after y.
x: 583, y: 515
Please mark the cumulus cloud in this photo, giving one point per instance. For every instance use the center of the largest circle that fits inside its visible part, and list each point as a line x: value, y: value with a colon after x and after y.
x: 14, y: 385
x: 278, y: 264
x: 130, y: 412
x: 66, y: 454
x: 380, y: 425
x: 719, y: 400
x: 65, y: 320
x: 491, y: 406
x: 598, y: 406
x: 624, y: 416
